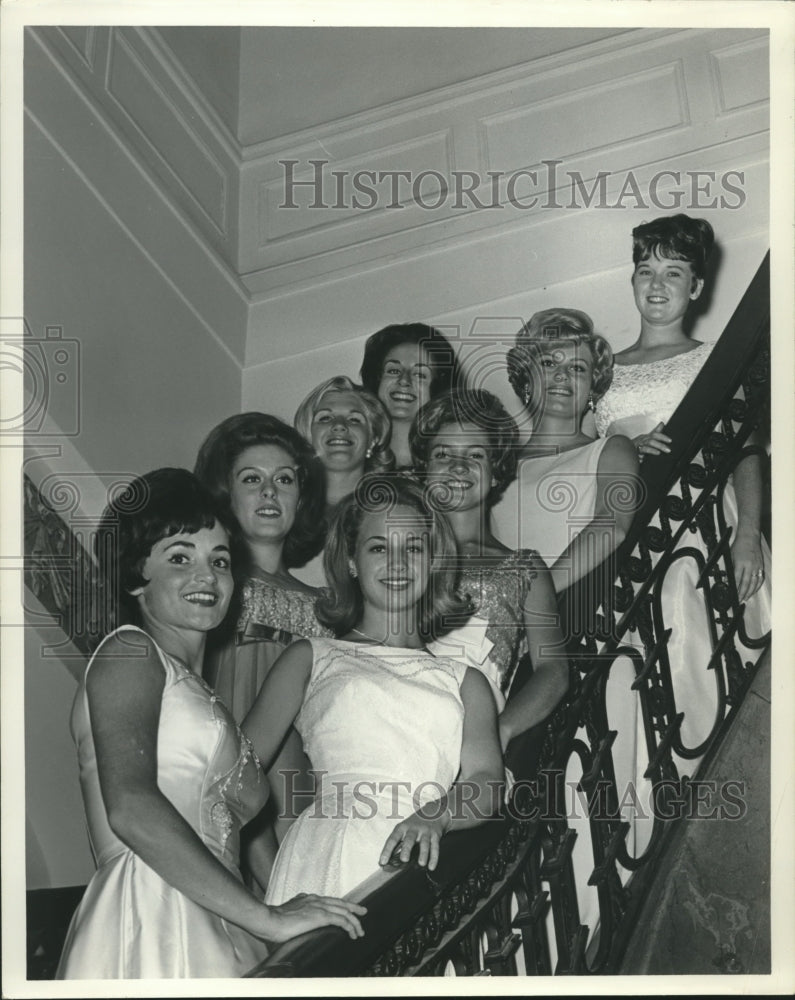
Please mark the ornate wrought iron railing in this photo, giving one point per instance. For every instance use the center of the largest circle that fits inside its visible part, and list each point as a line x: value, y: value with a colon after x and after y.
x: 555, y: 885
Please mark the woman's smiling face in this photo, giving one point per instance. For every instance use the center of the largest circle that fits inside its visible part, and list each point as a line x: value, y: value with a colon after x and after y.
x: 392, y: 558
x: 664, y: 288
x: 189, y: 580
x: 459, y: 462
x: 341, y: 431
x: 561, y: 378
x: 264, y: 492
x: 405, y: 383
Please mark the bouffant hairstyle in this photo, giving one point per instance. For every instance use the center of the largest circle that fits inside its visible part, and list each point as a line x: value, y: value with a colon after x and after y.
x: 227, y: 442
x: 440, y: 607
x: 484, y: 410
x: 446, y: 372
x: 381, y: 458
x: 556, y: 326
x: 151, y: 507
x: 676, y: 236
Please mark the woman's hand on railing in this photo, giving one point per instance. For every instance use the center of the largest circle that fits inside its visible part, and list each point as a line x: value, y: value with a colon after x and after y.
x: 306, y: 912
x: 749, y: 567
x: 419, y: 829
x: 653, y: 443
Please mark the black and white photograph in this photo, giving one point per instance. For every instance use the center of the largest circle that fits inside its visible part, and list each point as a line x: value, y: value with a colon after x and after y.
x: 389, y: 398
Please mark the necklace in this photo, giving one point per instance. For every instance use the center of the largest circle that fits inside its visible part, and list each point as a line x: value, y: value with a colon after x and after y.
x: 364, y: 635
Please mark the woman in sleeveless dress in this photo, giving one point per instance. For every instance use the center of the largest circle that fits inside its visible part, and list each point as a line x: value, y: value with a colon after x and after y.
x: 650, y: 379
x: 464, y: 444
x: 405, y: 365
x: 168, y: 779
x: 573, y: 498
x: 393, y: 732
x: 265, y: 475
x: 349, y: 431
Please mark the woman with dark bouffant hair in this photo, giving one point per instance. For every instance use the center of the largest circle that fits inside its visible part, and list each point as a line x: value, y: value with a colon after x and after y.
x: 464, y: 445
x: 393, y: 732
x: 650, y: 380
x: 405, y: 365
x: 574, y: 498
x: 167, y: 777
x: 267, y: 477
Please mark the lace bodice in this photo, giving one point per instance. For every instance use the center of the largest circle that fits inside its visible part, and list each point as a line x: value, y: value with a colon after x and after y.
x: 642, y: 396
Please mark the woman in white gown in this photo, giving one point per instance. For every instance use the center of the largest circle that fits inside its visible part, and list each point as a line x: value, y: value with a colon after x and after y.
x: 573, y: 498
x: 168, y: 779
x: 394, y: 733
x: 650, y: 379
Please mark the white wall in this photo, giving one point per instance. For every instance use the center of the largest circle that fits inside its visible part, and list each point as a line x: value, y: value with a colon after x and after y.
x: 155, y: 325
x: 634, y: 106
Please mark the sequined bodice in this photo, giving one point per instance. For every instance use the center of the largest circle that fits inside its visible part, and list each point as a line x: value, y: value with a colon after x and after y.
x: 206, y: 767
x: 642, y: 396
x: 279, y: 610
x: 498, y: 593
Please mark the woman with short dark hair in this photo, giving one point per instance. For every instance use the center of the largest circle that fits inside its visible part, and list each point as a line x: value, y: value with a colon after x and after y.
x: 168, y: 779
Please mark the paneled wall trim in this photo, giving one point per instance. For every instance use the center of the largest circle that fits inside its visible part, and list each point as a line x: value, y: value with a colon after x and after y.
x: 373, y: 186
x: 132, y: 98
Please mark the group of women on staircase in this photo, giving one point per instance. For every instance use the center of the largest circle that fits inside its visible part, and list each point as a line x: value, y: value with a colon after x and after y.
x: 326, y: 621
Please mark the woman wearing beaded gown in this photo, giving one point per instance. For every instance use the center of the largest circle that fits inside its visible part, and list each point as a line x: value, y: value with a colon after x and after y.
x: 464, y: 444
x: 168, y: 779
x: 650, y: 379
x: 265, y: 474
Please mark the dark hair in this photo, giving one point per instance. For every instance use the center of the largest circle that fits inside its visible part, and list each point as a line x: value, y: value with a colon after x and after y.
x: 676, y: 236
x: 551, y: 327
x: 342, y: 608
x: 151, y: 507
x: 446, y: 372
x: 380, y: 427
x: 479, y: 407
x: 227, y: 442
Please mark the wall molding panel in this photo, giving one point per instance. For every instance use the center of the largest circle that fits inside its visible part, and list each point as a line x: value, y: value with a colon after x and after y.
x: 80, y: 119
x: 156, y: 120
x: 640, y: 99
x: 740, y: 76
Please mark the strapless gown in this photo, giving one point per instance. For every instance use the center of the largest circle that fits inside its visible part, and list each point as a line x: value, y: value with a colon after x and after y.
x: 131, y: 924
x: 383, y: 728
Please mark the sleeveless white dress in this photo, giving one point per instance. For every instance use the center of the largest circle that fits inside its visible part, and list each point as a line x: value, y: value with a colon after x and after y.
x: 131, y: 924
x: 640, y: 397
x: 383, y: 728
x: 549, y: 503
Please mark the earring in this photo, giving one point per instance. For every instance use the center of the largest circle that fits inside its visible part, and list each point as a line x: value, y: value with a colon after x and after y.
x: 369, y: 452
x: 352, y: 568
x: 526, y: 395
x: 591, y: 404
